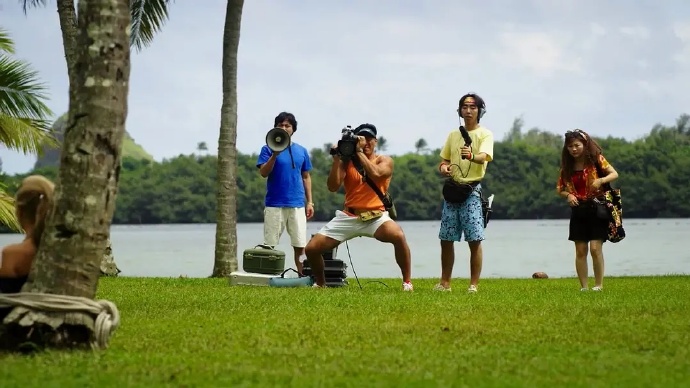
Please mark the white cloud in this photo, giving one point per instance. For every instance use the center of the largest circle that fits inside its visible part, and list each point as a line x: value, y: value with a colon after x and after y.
x: 597, y: 29
x: 638, y: 32
x: 431, y: 60
x: 682, y: 32
x: 648, y: 87
x: 541, y: 52
x: 403, y: 28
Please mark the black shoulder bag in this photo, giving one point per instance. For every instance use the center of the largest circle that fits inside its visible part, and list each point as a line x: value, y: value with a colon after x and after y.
x: 385, y: 198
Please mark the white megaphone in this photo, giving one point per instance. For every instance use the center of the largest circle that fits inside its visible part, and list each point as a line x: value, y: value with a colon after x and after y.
x: 277, y: 139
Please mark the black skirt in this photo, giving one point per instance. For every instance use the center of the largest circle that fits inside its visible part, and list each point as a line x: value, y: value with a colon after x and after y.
x: 585, y: 225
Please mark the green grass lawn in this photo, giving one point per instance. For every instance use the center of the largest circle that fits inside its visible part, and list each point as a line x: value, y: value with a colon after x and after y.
x: 521, y: 332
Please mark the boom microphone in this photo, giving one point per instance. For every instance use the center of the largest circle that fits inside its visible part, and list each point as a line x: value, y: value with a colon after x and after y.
x: 466, y: 137
x: 277, y: 139
x: 464, y: 133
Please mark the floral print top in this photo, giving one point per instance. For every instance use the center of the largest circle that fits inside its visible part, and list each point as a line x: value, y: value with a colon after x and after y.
x: 581, y: 182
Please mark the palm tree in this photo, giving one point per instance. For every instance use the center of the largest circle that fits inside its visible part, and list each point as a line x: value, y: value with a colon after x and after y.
x: 86, y: 189
x: 24, y: 124
x: 146, y: 18
x: 225, y: 260
x: 421, y: 145
x: 383, y: 143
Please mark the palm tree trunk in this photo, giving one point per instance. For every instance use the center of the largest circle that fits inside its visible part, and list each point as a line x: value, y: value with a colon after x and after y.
x: 76, y: 234
x: 226, y: 196
x: 68, y: 25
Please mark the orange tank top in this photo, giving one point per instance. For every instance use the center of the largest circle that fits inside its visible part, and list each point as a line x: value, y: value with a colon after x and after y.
x: 358, y: 194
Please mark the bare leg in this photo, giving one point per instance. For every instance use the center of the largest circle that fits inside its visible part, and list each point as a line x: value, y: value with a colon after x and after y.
x: 476, y: 259
x: 581, y: 262
x: 314, y: 250
x: 298, y: 253
x: 390, y: 232
x: 447, y: 262
x: 596, y: 249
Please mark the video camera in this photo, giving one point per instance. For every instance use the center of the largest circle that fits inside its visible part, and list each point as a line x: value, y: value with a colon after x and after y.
x: 347, y: 145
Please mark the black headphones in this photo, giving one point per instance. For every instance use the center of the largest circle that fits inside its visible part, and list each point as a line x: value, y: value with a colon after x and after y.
x: 481, y: 105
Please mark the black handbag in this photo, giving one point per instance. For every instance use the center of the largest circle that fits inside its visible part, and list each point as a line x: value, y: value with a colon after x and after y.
x: 602, y: 211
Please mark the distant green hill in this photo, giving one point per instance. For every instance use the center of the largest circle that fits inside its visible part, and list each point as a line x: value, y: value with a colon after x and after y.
x: 51, y: 156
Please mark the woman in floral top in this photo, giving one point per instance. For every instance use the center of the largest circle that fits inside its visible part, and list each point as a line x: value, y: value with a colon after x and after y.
x: 580, y: 183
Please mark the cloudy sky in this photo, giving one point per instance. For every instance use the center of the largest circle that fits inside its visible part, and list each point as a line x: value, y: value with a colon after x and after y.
x: 610, y: 67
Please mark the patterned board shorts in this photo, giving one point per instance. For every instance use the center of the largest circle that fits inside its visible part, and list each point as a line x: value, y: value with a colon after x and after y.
x: 463, y: 219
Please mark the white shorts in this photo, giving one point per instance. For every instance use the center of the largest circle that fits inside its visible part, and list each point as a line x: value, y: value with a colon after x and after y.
x: 277, y: 219
x: 344, y: 227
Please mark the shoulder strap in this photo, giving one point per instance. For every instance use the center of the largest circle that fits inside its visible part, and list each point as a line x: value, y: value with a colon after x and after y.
x: 600, y: 174
x: 376, y: 189
x: 371, y: 183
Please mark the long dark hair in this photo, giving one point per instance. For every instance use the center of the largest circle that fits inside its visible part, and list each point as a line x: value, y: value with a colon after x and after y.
x: 592, y: 150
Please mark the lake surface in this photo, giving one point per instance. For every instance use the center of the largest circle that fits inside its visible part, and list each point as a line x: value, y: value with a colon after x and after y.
x: 512, y: 249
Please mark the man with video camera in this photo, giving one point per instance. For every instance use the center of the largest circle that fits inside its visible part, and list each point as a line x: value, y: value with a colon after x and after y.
x: 368, y: 209
x: 286, y: 164
x: 464, y: 158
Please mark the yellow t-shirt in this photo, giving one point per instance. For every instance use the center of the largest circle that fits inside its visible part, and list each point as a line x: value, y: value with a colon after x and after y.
x: 482, y: 141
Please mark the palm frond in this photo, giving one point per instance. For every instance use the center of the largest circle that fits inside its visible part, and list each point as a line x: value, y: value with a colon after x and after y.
x: 6, y: 43
x: 148, y: 16
x: 22, y: 95
x: 26, y: 4
x: 29, y: 136
x: 7, y: 211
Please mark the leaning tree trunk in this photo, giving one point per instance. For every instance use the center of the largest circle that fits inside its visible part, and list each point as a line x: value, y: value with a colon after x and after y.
x: 226, y: 196
x: 73, y: 244
x: 68, y: 26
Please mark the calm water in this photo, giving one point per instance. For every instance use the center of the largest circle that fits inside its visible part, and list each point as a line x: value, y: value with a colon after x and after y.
x: 512, y: 249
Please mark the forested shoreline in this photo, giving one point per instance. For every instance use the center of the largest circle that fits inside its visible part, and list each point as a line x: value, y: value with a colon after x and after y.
x: 654, y: 179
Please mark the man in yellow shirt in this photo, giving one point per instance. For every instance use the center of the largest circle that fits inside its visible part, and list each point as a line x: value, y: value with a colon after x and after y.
x: 465, y: 165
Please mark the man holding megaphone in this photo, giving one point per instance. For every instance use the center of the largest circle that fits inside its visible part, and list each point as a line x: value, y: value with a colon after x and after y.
x: 288, y: 202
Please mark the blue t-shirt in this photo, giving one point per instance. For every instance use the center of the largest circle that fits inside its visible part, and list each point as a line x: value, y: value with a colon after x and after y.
x: 284, y: 186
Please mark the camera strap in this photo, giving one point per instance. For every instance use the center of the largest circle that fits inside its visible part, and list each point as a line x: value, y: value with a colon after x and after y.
x: 360, y: 169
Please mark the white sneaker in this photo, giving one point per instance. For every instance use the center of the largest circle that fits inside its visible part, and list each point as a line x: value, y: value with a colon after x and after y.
x: 407, y: 287
x: 439, y: 287
x: 584, y: 289
x: 597, y: 288
x: 472, y: 289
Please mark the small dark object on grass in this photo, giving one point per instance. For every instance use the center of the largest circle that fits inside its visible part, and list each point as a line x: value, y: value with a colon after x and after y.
x: 540, y: 275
